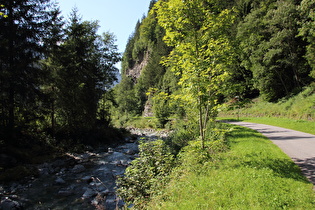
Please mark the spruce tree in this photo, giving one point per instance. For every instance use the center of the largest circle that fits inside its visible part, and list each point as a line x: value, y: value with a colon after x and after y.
x: 22, y: 33
x: 85, y: 69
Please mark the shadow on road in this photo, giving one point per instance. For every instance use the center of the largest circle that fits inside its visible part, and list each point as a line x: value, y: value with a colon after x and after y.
x: 308, y: 168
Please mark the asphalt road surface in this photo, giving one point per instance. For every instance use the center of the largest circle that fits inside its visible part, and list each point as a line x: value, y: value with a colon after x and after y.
x: 299, y: 146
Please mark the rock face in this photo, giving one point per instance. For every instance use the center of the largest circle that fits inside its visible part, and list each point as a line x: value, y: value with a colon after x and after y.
x: 148, y: 112
x: 135, y: 72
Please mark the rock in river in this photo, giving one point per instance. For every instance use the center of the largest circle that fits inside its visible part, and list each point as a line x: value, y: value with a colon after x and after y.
x: 78, y: 169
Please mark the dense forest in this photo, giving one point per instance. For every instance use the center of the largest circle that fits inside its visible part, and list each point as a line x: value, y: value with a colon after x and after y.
x: 183, y: 61
x: 55, y: 74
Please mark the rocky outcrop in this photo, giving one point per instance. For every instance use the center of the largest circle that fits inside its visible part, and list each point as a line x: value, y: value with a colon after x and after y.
x: 135, y: 72
x: 148, y: 112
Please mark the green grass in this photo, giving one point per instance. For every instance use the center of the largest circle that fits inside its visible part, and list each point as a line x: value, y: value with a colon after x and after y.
x: 298, y: 125
x: 296, y: 113
x: 298, y: 107
x: 252, y: 174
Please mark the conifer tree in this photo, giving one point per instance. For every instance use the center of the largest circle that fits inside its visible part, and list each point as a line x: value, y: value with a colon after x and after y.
x: 85, y: 69
x: 22, y: 45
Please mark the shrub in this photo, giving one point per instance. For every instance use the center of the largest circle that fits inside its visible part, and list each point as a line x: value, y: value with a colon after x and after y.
x: 183, y: 133
x: 146, y: 174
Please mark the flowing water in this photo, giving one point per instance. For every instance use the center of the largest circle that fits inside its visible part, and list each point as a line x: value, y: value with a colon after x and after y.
x: 80, y: 181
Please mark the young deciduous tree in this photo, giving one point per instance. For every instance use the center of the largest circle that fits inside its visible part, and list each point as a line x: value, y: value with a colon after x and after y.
x: 198, y: 31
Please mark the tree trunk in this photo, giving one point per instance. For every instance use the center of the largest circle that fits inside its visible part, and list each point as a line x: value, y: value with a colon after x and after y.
x: 53, y: 121
x: 11, y: 107
x: 11, y: 104
x: 201, y: 128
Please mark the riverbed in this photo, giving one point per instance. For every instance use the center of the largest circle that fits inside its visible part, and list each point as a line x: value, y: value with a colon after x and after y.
x: 77, y: 181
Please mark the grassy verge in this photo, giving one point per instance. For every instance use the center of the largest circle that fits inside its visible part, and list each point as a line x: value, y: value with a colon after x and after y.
x: 298, y: 107
x: 298, y: 125
x: 252, y: 174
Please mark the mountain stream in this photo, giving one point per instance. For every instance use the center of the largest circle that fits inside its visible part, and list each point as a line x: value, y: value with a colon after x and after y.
x: 80, y: 181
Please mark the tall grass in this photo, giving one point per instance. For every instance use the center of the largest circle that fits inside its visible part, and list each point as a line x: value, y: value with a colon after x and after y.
x: 252, y: 174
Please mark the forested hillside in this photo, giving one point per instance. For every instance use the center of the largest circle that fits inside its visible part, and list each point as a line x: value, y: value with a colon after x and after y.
x: 141, y: 67
x: 190, y: 59
x: 186, y: 58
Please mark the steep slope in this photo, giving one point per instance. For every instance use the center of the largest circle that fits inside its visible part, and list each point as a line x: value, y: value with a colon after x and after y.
x: 141, y: 66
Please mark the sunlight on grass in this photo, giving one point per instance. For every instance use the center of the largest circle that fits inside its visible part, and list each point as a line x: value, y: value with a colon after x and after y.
x: 253, y: 174
x: 298, y: 125
x: 297, y: 112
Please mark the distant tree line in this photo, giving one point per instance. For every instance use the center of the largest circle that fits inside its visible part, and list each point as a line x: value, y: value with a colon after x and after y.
x: 53, y: 72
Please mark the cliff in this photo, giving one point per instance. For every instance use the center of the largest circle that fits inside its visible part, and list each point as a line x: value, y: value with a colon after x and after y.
x: 136, y: 70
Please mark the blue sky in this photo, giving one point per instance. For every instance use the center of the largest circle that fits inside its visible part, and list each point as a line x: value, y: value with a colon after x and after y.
x: 116, y: 16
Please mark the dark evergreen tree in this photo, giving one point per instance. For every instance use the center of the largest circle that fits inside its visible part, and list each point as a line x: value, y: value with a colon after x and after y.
x: 22, y: 46
x: 53, y: 40
x: 85, y: 69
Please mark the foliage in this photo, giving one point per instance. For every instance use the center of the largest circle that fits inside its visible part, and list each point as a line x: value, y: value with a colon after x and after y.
x: 298, y: 107
x: 272, y: 50
x: 84, y: 70
x: 202, y: 52
x: 147, y: 174
x: 183, y: 133
x: 307, y: 10
x: 161, y: 107
x: 125, y: 97
x: 22, y: 47
x: 2, y: 13
x: 253, y: 173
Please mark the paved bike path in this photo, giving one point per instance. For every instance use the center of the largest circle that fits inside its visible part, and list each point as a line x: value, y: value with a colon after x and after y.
x: 299, y: 146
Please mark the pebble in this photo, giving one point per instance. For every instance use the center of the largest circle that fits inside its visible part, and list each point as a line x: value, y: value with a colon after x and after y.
x: 65, y: 192
x: 87, y: 179
x: 89, y: 193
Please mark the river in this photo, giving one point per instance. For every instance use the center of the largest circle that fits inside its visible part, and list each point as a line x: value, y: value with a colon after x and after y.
x: 78, y: 181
